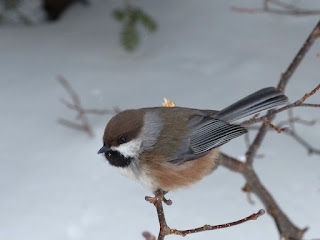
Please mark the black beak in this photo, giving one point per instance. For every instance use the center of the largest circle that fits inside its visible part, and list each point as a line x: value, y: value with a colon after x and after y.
x: 104, y: 149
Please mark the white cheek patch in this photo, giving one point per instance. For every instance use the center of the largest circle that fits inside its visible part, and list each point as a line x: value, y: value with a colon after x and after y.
x: 132, y: 149
x: 129, y: 149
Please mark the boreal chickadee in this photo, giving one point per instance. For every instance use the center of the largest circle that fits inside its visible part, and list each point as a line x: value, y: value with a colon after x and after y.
x: 172, y: 147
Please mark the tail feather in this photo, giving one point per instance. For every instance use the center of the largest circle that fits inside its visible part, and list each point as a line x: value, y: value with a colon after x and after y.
x: 264, y: 99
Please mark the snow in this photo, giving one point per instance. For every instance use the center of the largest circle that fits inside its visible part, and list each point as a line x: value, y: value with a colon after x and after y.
x: 53, y: 184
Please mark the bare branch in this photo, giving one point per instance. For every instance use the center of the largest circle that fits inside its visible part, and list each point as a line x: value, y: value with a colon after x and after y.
x: 300, y: 121
x: 282, y: 84
x: 255, y: 145
x: 291, y: 119
x: 299, y: 57
x: 68, y: 88
x: 307, y: 95
x: 76, y: 105
x: 272, y: 126
x: 308, y: 105
x: 76, y: 126
x: 281, y: 8
x: 115, y: 110
x: 285, y: 227
x: 298, y: 103
x: 225, y: 225
x: 231, y: 163
x: 247, y: 190
x: 310, y: 149
x: 291, y: 132
x: 166, y: 230
x: 148, y: 236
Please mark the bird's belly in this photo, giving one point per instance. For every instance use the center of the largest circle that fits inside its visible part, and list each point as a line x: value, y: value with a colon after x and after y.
x: 168, y: 176
x: 134, y: 172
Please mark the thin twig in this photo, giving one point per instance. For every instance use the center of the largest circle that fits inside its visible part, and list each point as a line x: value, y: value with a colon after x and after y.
x: 272, y: 126
x: 148, y: 236
x: 293, y: 120
x: 84, y: 125
x: 115, y: 110
x: 307, y: 95
x: 285, y: 226
x: 292, y: 132
x: 166, y: 230
x: 298, y: 103
x: 93, y: 111
x: 253, y: 216
x: 255, y: 145
x: 274, y: 112
x: 74, y: 125
x: 310, y: 149
x: 282, y: 9
x: 246, y: 188
x: 283, y: 82
x: 82, y: 112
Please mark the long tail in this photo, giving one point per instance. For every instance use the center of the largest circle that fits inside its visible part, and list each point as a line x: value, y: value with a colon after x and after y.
x: 264, y: 99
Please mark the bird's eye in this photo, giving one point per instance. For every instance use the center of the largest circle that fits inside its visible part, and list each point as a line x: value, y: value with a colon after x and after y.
x: 122, y: 140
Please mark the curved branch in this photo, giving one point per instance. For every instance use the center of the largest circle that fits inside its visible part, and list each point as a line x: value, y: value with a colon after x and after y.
x: 282, y: 85
x: 286, y: 228
x: 166, y: 230
x: 281, y: 9
x: 272, y: 113
x: 82, y: 112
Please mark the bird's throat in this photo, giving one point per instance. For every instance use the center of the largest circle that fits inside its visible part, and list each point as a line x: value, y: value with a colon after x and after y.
x: 117, y: 159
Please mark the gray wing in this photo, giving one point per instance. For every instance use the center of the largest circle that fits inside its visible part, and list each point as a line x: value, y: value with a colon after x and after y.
x: 214, y: 134
x: 205, y: 135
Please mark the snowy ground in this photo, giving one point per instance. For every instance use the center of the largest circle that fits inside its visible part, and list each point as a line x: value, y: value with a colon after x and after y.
x: 53, y: 185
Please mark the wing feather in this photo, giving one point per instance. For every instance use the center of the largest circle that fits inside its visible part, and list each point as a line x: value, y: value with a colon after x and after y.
x: 213, y: 133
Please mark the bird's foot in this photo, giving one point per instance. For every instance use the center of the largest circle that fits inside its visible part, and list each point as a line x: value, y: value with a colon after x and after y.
x: 159, y: 194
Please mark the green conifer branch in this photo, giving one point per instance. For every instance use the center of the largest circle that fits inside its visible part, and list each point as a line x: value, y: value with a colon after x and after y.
x: 130, y: 17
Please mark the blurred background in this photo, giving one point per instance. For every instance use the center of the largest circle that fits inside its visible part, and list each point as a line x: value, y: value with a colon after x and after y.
x: 131, y: 54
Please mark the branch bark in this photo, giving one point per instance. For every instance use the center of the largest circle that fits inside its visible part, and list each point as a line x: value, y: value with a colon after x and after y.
x: 166, y: 230
x: 286, y: 228
x: 282, y: 85
x: 76, y: 105
x: 281, y: 8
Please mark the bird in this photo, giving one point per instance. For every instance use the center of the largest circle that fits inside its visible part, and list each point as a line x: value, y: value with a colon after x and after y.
x: 168, y: 148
